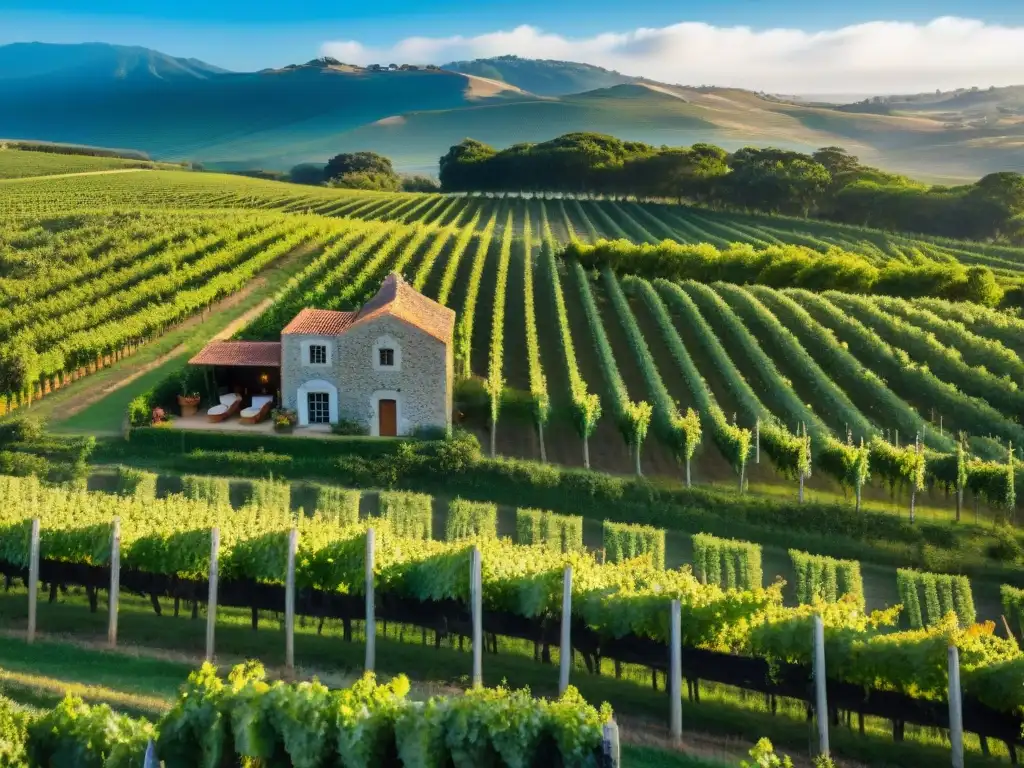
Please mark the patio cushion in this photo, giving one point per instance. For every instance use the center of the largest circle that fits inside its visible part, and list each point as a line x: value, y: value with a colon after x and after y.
x: 258, y: 401
x: 248, y: 413
x: 217, y: 410
x: 227, y: 400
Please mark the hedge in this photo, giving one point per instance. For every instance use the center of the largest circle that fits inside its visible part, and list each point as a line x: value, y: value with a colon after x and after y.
x: 457, y: 467
x: 826, y: 578
x: 727, y: 563
x: 338, y: 504
x: 136, y: 482
x: 182, y: 441
x: 471, y: 519
x: 216, y: 490
x: 410, y: 515
x: 623, y: 541
x: 942, y: 594
x: 538, y: 527
x: 270, y: 494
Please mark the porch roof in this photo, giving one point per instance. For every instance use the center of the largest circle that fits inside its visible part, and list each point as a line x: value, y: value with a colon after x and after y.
x: 260, y: 354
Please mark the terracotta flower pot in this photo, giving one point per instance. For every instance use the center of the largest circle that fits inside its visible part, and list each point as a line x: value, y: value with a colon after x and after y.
x: 189, y: 405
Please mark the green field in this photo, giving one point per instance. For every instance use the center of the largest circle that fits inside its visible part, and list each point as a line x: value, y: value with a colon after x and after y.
x: 755, y: 381
x: 830, y: 363
x: 17, y: 163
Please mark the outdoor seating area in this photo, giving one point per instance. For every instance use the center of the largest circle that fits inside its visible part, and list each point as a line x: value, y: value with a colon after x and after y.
x: 244, y: 377
x: 229, y: 405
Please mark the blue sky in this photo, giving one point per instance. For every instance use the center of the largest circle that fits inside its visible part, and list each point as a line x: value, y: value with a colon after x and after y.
x: 250, y: 35
x: 780, y: 46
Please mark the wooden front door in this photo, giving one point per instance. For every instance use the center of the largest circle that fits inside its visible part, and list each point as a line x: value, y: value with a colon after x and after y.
x: 387, y: 411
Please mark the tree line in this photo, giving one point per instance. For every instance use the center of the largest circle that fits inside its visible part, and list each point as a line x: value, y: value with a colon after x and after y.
x: 829, y: 183
x: 361, y: 170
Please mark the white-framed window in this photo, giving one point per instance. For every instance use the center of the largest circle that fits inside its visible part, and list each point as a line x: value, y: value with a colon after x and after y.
x: 387, y: 354
x: 319, y: 408
x: 317, y: 402
x: 317, y: 353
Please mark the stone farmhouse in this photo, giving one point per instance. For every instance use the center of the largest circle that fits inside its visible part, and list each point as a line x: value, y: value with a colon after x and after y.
x: 388, y: 366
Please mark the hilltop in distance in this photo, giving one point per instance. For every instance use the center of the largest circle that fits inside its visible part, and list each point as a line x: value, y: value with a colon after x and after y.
x: 183, y: 109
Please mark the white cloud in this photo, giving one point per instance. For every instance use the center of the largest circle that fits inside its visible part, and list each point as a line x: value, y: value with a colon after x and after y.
x: 879, y: 56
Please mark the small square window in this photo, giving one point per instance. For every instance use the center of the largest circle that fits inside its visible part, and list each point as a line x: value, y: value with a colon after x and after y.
x: 317, y: 354
x: 387, y: 358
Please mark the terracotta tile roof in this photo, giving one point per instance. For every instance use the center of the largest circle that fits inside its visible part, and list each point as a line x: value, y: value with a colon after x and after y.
x: 263, y: 354
x: 398, y: 298
x: 320, y: 322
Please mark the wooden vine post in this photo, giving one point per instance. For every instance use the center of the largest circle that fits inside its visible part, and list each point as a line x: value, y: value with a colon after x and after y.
x: 820, y: 696
x: 115, y: 581
x: 757, y: 441
x: 289, y: 602
x: 956, y: 722
x: 610, y: 744
x: 565, y: 650
x: 675, y: 675
x: 476, y: 599
x: 33, y: 579
x: 371, y: 618
x: 913, y: 481
x: 211, y: 592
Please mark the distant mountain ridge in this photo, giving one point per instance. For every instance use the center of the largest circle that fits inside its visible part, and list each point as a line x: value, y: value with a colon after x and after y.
x: 182, y: 109
x: 97, y: 63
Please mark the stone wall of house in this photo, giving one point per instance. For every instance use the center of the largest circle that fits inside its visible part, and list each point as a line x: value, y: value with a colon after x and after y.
x: 422, y: 387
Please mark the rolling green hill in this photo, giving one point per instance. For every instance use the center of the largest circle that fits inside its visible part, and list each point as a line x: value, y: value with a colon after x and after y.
x: 544, y: 77
x: 178, y: 109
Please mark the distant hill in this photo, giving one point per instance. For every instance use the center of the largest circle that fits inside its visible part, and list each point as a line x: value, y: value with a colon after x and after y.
x: 178, y: 109
x: 221, y: 116
x: 963, y: 105
x: 96, y: 64
x: 544, y: 77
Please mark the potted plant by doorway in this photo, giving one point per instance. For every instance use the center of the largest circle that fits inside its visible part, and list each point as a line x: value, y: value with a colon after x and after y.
x: 284, y: 419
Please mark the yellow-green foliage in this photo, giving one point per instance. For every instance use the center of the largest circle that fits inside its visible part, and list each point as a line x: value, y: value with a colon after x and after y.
x: 929, y: 597
x: 821, y: 578
x: 271, y: 494
x: 215, y: 490
x: 471, y: 520
x: 409, y: 514
x: 340, y: 505
x: 623, y: 541
x: 538, y: 527
x: 136, y: 483
x: 726, y: 562
x: 1013, y: 607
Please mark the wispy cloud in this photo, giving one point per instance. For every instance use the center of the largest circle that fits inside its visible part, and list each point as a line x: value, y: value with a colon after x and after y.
x: 880, y: 56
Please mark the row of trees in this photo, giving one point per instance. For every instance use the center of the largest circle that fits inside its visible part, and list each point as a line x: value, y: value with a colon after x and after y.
x: 830, y: 183
x: 361, y: 170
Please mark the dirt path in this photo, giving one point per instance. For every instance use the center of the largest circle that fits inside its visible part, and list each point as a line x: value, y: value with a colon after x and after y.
x: 77, y: 173
x: 92, y: 391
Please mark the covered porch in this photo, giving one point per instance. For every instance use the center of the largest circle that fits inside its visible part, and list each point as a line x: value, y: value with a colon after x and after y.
x: 249, y: 370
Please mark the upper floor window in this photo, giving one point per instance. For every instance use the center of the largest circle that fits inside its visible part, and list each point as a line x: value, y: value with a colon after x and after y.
x: 318, y: 354
x: 387, y: 354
